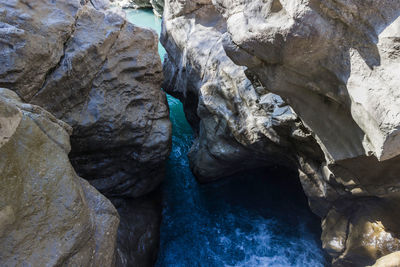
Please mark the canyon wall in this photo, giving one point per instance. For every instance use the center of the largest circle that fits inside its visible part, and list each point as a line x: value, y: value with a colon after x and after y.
x: 238, y: 124
x: 236, y: 65
x: 86, y: 65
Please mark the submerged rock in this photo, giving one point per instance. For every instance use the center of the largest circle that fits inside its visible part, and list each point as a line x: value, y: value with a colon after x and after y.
x: 48, y: 215
x: 337, y: 64
x: 100, y: 74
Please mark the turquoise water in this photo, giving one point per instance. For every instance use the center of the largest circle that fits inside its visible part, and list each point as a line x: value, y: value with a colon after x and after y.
x: 260, y: 218
x: 146, y: 18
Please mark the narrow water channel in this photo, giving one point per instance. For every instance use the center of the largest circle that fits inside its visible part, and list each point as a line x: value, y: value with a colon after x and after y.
x: 259, y: 218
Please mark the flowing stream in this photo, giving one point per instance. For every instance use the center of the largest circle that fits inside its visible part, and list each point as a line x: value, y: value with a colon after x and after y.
x: 259, y: 218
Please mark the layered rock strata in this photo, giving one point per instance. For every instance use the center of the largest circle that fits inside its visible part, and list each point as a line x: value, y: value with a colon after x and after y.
x: 101, y: 75
x: 336, y: 64
x: 48, y: 215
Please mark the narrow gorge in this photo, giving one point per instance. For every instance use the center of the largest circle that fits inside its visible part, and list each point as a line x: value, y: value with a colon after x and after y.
x: 199, y: 133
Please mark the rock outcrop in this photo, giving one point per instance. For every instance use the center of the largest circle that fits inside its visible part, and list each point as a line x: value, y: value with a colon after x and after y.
x: 156, y: 5
x: 337, y: 64
x: 84, y: 63
x: 101, y: 75
x: 238, y: 125
x: 48, y: 215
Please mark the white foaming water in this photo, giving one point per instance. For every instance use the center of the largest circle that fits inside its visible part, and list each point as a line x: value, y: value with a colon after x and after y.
x: 297, y: 252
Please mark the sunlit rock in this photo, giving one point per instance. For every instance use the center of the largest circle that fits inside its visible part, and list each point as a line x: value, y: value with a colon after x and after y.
x: 239, y: 125
x: 336, y: 64
x: 156, y: 5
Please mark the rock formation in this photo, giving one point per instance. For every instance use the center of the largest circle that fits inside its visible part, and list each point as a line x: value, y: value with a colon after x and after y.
x: 139, y: 231
x: 238, y: 125
x: 100, y: 74
x: 391, y: 260
x: 156, y: 5
x: 84, y: 63
x: 48, y: 215
x: 337, y: 64
x: 133, y: 3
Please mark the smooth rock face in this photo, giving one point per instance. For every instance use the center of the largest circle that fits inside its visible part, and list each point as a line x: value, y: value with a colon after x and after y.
x: 48, y: 215
x: 102, y: 75
x: 336, y: 64
x: 239, y: 125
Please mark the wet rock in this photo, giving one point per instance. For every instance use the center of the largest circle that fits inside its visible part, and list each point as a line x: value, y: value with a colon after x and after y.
x: 102, y: 75
x: 48, y: 215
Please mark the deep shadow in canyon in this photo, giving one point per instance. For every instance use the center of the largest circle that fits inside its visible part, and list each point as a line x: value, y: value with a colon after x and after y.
x: 253, y: 218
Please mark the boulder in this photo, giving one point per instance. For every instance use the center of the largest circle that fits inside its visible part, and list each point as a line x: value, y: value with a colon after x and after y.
x: 84, y: 63
x: 48, y: 215
x: 89, y: 67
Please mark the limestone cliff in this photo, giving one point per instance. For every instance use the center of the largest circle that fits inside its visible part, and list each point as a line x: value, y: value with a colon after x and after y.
x: 48, y: 215
x: 337, y: 64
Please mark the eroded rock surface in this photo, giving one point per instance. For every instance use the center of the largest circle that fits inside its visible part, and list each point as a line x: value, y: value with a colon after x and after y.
x: 84, y: 63
x: 48, y: 215
x: 336, y: 64
x: 89, y: 67
x: 239, y: 125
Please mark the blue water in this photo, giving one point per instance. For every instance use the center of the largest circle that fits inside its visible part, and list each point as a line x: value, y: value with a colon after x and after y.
x: 260, y: 218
